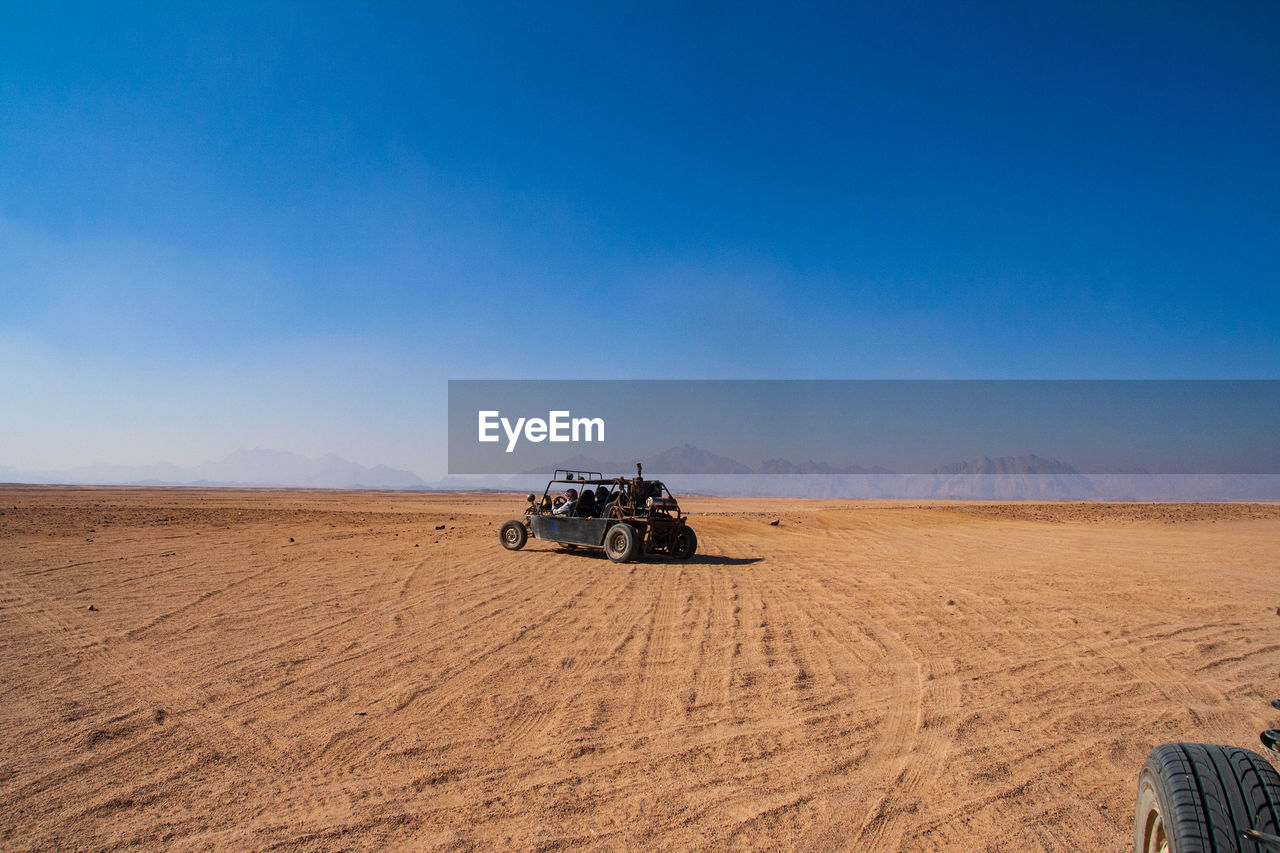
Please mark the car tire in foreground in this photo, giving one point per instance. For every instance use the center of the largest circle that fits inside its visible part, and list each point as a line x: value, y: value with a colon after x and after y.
x: 1201, y: 797
x: 686, y: 543
x: 513, y: 535
x: 621, y: 543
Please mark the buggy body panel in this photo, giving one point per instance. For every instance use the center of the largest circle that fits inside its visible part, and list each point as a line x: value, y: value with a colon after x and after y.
x: 572, y: 531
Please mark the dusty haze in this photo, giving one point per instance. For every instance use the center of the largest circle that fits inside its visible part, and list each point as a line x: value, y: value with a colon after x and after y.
x: 326, y: 670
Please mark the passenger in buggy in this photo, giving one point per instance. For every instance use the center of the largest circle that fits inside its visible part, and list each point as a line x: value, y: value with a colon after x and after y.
x: 566, y: 505
x: 603, y: 497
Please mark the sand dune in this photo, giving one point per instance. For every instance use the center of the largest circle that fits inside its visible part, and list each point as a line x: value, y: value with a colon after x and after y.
x: 318, y: 671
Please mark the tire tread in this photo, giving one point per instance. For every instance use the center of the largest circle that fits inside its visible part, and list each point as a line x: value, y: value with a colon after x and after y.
x: 1209, y: 793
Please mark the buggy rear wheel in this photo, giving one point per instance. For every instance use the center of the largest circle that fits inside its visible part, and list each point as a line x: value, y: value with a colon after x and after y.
x: 686, y: 544
x: 513, y: 535
x: 1201, y: 797
x: 621, y: 543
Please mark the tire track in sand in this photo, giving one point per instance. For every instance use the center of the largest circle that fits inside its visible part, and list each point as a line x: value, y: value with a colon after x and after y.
x: 549, y: 707
x: 436, y: 697
x: 903, y: 757
x: 651, y: 691
x: 135, y: 666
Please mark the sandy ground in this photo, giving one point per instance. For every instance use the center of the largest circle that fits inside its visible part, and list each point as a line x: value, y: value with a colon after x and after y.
x: 320, y: 670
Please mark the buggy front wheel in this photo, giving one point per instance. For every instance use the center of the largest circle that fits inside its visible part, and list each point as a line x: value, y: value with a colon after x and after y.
x: 513, y: 535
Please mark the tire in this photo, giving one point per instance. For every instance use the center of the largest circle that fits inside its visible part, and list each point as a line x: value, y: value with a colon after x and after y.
x: 686, y: 544
x: 621, y: 543
x: 513, y: 535
x: 1198, y: 798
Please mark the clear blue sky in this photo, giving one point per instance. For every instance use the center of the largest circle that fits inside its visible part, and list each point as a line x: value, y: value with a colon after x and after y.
x: 288, y: 225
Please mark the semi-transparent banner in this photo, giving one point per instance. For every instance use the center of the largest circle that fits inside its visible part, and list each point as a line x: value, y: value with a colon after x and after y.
x: 1143, y: 440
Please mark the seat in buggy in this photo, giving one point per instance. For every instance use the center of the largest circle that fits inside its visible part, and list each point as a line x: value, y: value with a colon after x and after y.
x: 586, y: 507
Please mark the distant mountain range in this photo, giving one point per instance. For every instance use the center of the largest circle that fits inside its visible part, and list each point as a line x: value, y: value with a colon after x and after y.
x: 1008, y: 465
x: 782, y: 466
x: 691, y: 470
x: 688, y: 469
x: 687, y: 459
x: 257, y: 467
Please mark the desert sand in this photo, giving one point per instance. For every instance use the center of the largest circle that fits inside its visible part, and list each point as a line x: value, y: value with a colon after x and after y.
x: 262, y: 670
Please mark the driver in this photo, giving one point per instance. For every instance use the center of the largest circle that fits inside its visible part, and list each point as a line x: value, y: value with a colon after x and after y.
x: 570, y: 501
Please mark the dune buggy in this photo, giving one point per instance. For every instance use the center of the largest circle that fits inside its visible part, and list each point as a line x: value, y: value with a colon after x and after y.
x: 628, y: 518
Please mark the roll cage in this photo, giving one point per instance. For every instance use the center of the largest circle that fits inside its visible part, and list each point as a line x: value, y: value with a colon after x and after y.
x: 627, y: 498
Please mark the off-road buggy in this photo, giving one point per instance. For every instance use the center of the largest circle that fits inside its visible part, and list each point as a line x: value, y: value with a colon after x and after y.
x: 1207, y: 798
x: 628, y: 518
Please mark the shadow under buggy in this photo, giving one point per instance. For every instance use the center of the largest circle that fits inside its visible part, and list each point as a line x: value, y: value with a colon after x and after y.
x: 628, y: 517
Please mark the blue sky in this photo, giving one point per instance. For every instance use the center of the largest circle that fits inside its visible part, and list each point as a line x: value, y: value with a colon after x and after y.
x: 288, y: 225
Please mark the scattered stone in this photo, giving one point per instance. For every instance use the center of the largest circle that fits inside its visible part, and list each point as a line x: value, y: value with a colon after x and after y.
x: 415, y: 544
x: 158, y: 715
x: 94, y: 609
x: 362, y: 713
x: 439, y: 527
x: 951, y: 602
x: 775, y: 522
x: 87, y: 539
x: 290, y: 538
